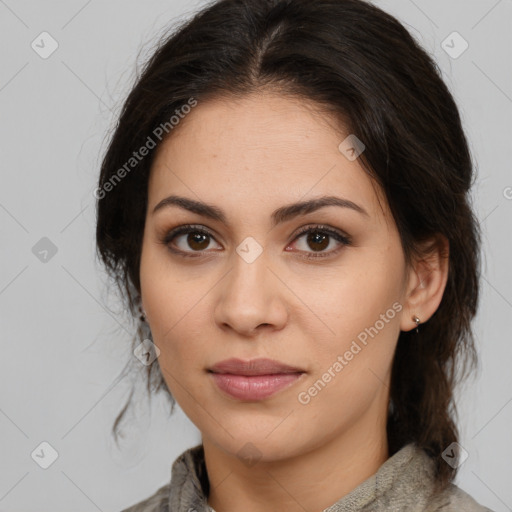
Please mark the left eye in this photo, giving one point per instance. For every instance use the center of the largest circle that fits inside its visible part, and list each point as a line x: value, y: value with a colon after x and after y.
x: 317, y: 238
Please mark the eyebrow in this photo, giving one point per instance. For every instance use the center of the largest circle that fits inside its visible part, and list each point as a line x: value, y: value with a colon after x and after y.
x: 280, y: 215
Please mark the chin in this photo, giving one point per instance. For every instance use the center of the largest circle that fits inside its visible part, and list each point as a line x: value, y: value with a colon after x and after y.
x: 260, y: 446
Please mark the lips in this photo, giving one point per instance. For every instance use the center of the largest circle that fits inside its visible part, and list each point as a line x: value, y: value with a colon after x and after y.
x: 253, y: 380
x: 261, y: 366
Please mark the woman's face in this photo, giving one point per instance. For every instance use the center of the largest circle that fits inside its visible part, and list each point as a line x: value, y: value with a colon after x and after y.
x: 254, y: 287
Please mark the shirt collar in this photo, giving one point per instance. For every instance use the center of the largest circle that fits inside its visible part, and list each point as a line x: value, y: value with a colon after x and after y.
x: 410, y: 468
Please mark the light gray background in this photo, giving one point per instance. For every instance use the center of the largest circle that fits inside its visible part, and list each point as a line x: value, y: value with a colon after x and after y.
x: 64, y: 339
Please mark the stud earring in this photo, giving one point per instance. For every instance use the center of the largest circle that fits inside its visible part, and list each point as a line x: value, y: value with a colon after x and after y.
x: 416, y: 320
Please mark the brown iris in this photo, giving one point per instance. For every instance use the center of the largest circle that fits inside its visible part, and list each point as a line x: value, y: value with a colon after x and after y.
x: 198, y: 241
x: 318, y: 239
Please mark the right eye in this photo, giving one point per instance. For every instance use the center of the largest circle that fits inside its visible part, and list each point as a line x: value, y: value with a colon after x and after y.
x: 198, y: 239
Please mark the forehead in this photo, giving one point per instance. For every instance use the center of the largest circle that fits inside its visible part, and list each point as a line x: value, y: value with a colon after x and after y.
x: 262, y: 148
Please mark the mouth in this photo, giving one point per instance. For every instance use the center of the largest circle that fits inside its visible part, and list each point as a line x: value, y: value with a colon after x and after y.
x: 261, y: 366
x: 253, y: 380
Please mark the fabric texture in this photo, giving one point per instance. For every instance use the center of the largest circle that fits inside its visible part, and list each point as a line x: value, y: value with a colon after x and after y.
x: 401, y: 484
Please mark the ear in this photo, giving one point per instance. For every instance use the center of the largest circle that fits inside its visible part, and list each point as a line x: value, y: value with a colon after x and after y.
x: 426, y: 282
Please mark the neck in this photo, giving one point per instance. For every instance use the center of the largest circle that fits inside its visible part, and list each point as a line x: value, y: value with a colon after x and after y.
x: 313, y: 480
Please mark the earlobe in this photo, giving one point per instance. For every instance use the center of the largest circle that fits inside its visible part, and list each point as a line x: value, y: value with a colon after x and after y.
x: 427, y: 282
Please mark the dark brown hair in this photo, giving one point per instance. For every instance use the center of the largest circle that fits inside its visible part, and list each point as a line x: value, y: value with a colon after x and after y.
x: 361, y: 64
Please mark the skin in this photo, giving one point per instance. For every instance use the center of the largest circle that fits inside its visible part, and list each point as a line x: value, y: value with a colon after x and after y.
x: 248, y: 157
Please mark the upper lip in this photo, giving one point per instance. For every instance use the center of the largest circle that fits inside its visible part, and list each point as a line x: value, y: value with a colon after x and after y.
x: 261, y: 366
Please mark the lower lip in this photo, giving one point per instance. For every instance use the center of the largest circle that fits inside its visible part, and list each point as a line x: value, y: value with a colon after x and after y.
x: 254, y: 387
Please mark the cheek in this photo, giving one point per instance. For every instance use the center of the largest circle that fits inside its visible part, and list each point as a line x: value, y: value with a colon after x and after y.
x: 352, y: 369
x: 171, y: 307
x: 178, y: 330
x: 345, y: 302
x: 178, y: 334
x: 360, y: 311
x: 168, y: 293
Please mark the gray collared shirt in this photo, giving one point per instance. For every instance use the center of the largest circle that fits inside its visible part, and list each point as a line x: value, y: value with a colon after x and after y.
x: 401, y: 484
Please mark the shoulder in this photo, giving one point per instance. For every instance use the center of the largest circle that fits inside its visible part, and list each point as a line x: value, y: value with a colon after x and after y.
x: 185, y: 486
x: 454, y: 499
x: 157, y: 502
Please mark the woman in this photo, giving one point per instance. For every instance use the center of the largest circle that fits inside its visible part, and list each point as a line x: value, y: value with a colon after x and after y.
x: 286, y: 201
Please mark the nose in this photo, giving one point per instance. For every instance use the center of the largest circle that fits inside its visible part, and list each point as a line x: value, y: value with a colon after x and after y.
x: 251, y: 298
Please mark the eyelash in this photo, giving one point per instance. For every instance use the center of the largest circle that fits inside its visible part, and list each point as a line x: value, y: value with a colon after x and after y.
x: 343, y: 239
